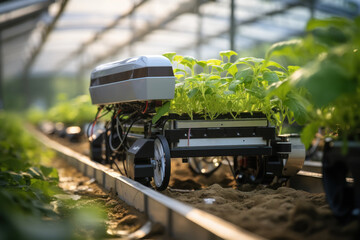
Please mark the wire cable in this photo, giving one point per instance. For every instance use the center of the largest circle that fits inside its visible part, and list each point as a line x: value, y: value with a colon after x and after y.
x: 115, y: 149
x: 117, y: 166
x: 146, y: 107
x: 94, y: 122
x: 231, y: 168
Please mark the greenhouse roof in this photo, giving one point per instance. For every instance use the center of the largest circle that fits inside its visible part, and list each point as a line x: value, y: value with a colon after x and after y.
x: 73, y: 36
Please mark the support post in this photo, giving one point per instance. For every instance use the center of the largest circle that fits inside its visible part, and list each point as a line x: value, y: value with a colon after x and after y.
x: 1, y: 75
x: 199, y: 29
x: 232, y: 25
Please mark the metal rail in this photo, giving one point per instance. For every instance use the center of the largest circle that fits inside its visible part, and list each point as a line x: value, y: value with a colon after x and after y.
x: 181, y: 221
x: 310, y: 178
x: 307, y: 181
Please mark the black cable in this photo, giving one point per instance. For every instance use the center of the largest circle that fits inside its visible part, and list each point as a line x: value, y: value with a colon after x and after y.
x: 231, y: 168
x: 124, y: 167
x: 124, y: 142
x: 118, y: 168
x: 88, y: 127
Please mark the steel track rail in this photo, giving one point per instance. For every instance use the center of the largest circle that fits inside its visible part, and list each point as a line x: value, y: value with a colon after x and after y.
x: 307, y: 181
x: 181, y: 221
x: 310, y: 181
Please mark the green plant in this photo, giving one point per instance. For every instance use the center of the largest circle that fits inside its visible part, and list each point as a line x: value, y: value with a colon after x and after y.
x: 331, y: 76
x: 28, y: 189
x: 77, y: 111
x: 214, y: 87
x: 26, y: 186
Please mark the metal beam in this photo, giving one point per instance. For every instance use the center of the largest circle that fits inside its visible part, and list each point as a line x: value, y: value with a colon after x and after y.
x: 186, y: 7
x: 288, y: 6
x: 21, y: 29
x: 98, y: 35
x: 232, y: 25
x: 16, y: 12
x: 1, y: 75
x: 199, y: 28
x: 36, y: 49
x: 335, y: 10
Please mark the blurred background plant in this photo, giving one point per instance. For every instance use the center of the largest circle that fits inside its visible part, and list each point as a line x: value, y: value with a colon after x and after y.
x: 330, y: 72
x: 27, y: 189
x: 76, y: 111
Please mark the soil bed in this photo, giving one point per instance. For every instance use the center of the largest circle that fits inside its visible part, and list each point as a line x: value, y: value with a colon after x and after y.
x: 283, y: 213
x: 122, y: 219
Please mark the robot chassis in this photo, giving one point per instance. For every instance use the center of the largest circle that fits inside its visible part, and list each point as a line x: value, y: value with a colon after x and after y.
x: 132, y: 88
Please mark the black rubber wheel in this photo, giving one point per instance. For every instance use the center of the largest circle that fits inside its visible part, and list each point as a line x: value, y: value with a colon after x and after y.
x: 162, y: 164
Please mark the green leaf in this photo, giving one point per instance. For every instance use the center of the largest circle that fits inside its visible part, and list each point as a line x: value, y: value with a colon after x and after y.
x: 212, y: 83
x: 258, y: 92
x: 169, y: 55
x: 191, y: 79
x: 292, y: 69
x: 330, y: 36
x: 14, y: 176
x: 229, y: 104
x: 179, y: 76
x: 189, y: 61
x: 308, y: 133
x: 226, y: 66
x: 233, y: 85
x: 233, y: 70
x: 245, y: 76
x: 192, y: 92
x: 279, y: 89
x: 161, y: 112
x: 36, y: 173
x: 218, y: 68
x: 270, y: 77
x: 275, y: 64
x: 209, y: 91
x: 298, y: 105
x: 212, y: 62
x: 178, y: 58
x: 227, y: 54
x: 49, y: 172
x: 177, y: 70
x: 325, y: 81
x: 203, y: 64
x: 226, y: 93
x: 214, y: 77
x: 251, y: 59
x: 328, y: 22
x: 281, y: 48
